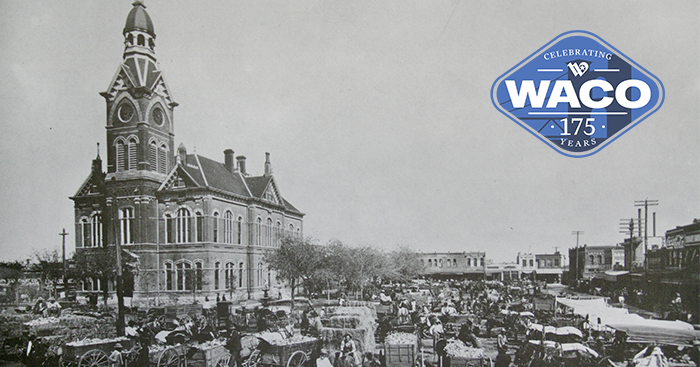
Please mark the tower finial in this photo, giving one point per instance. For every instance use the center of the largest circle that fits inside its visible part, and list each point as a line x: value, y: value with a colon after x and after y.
x: 98, y: 150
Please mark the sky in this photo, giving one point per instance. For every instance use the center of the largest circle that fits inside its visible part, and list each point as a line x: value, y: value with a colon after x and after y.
x: 377, y: 115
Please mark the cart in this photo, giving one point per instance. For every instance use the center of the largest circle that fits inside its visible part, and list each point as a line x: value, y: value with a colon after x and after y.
x: 94, y: 353
x: 278, y: 351
x: 208, y: 356
x: 168, y: 356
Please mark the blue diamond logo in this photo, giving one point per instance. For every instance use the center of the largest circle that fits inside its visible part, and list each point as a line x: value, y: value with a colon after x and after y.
x: 577, y: 94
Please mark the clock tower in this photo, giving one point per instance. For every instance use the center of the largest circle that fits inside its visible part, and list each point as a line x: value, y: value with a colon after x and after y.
x: 139, y: 107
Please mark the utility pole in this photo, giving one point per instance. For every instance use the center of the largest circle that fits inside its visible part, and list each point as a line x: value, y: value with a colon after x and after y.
x: 578, y: 255
x: 65, y: 273
x: 646, y: 203
x: 628, y: 228
x: 118, y: 247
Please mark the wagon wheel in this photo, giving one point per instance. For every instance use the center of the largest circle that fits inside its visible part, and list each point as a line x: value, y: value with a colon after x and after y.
x: 94, y: 358
x: 223, y: 360
x: 253, y: 359
x: 169, y: 358
x: 297, y: 359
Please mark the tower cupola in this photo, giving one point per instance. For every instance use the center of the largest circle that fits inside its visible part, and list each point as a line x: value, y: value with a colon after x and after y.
x: 139, y: 34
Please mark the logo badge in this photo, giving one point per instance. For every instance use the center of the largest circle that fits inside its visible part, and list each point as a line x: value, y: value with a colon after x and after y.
x: 577, y: 94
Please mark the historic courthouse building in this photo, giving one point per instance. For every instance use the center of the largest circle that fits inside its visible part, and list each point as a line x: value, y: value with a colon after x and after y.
x: 194, y: 224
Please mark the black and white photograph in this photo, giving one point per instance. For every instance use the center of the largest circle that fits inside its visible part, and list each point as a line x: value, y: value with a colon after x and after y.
x: 323, y: 183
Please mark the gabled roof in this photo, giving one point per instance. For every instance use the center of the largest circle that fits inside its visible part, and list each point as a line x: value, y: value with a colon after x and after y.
x: 202, y: 172
x: 92, y: 186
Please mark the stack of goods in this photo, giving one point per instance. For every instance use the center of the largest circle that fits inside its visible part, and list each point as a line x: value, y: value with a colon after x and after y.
x: 401, y: 338
x: 400, y: 349
x: 96, y: 341
x: 458, y: 350
x: 207, y: 353
x: 11, y: 324
x: 70, y: 328
x: 359, y: 322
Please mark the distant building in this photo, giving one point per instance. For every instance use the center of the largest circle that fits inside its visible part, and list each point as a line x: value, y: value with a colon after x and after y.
x: 454, y: 265
x: 588, y: 262
x: 550, y: 267
x: 681, y: 251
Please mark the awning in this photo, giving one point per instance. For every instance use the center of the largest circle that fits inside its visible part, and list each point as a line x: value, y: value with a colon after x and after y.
x: 612, y: 275
x: 657, y: 331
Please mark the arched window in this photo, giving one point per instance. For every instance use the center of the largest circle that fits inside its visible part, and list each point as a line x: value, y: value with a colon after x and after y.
x: 229, y: 278
x: 130, y: 39
x: 215, y: 227
x: 169, y: 276
x: 454, y: 263
x: 198, y: 275
x: 163, y: 159
x: 469, y: 261
x: 440, y: 262
x: 430, y: 263
x: 122, y: 158
x: 126, y: 221
x: 600, y: 259
x: 591, y: 259
x: 278, y: 234
x: 84, y: 226
x: 153, y: 155
x: 260, y: 274
x: 258, y: 231
x: 217, y: 268
x: 184, y: 233
x: 228, y: 227
x: 268, y: 232
x: 132, y: 154
x: 291, y: 229
x: 239, y: 230
x: 482, y: 261
x: 96, y: 230
x: 141, y: 40
x: 240, y: 275
x: 199, y: 226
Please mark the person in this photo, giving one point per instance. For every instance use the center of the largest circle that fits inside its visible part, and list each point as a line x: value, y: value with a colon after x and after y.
x: 304, y: 326
x: 466, y: 335
x: 436, y: 330
x: 315, y: 324
x: 502, y: 342
x: 233, y: 344
x: 40, y: 307
x: 53, y: 308
x: 349, y: 355
x: 115, y: 358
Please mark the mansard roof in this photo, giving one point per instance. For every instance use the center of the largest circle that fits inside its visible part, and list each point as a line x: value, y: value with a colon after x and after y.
x: 201, y: 172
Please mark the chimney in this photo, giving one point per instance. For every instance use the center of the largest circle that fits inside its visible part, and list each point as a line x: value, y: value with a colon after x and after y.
x: 181, y: 154
x: 97, y: 162
x: 228, y: 159
x: 268, y: 166
x: 241, y: 164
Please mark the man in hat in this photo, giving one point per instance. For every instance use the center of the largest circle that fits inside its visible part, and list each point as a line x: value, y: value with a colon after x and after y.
x: 53, y: 308
x: 115, y: 358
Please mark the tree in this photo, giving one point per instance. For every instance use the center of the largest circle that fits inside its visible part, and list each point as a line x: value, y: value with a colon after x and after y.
x: 295, y: 260
x: 50, y: 265
x: 11, y: 273
x: 405, y: 264
x: 101, y: 263
x: 356, y: 267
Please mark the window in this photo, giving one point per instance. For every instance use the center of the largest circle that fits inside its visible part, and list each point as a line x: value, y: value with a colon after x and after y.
x: 524, y: 263
x: 153, y: 155
x: 258, y: 231
x: 126, y: 221
x: 169, y: 276
x: 184, y: 233
x: 96, y: 230
x: 440, y: 262
x: 169, y: 229
x: 268, y: 232
x: 122, y: 163
x: 278, y: 234
x: 215, y: 227
x: 532, y: 263
x: 84, y: 226
x: 239, y: 230
x: 132, y: 155
x: 228, y: 227
x: 162, y: 159
x: 230, y: 285
x: 590, y: 259
x: 141, y: 40
x: 240, y: 275
x: 199, y: 226
x: 198, y: 275
x: 469, y: 261
x: 482, y: 261
x: 454, y: 263
x: 217, y: 268
x: 556, y: 262
x: 600, y: 259
x: 430, y: 263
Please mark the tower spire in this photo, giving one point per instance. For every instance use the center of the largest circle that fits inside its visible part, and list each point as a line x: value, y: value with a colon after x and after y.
x: 139, y: 34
